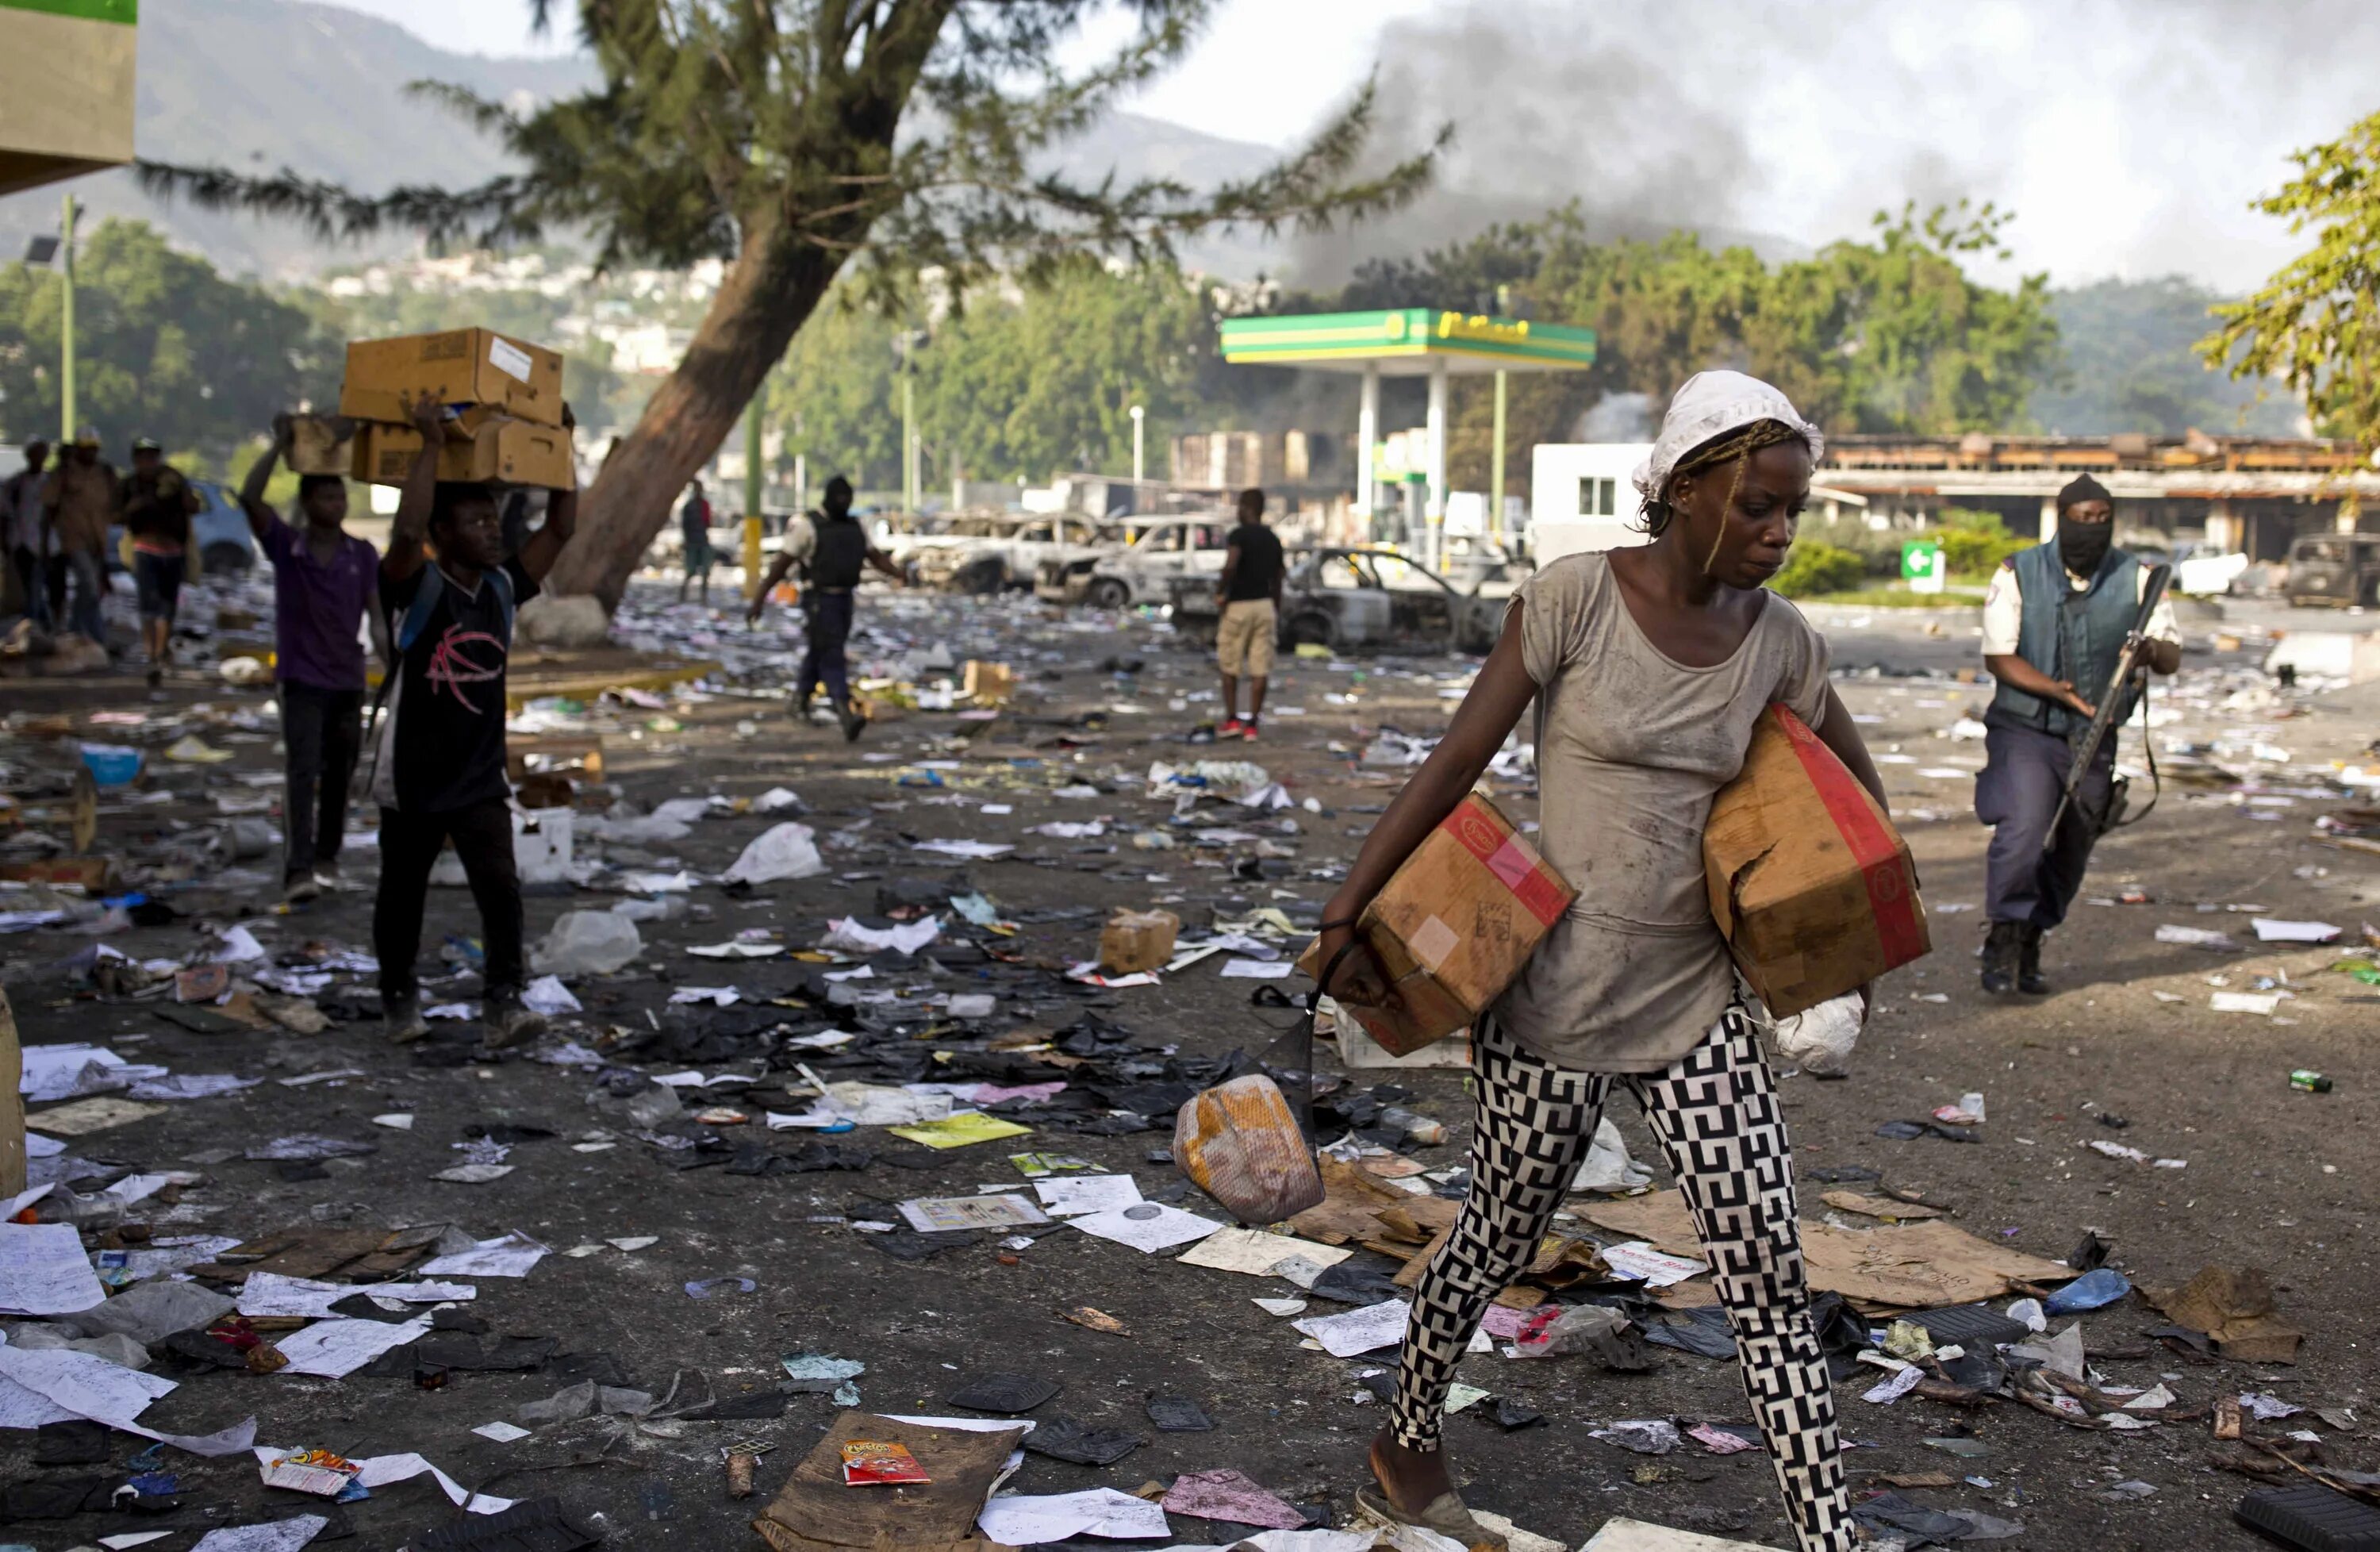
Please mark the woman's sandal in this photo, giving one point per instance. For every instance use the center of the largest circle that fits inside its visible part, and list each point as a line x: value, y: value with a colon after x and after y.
x: 1446, y: 1515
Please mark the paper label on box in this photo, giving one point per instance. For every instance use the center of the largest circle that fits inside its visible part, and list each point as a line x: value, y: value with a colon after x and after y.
x: 1432, y: 942
x: 509, y: 358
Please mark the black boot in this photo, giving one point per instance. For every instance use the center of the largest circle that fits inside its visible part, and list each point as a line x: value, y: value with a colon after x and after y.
x: 2000, y: 951
x: 798, y: 709
x: 2029, y: 979
x: 854, y: 721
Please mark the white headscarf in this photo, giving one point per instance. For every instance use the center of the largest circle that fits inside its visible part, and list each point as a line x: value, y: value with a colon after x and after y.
x: 1712, y: 404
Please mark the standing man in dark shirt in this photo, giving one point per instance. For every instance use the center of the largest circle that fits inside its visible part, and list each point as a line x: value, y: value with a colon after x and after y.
x: 324, y: 579
x: 439, y: 765
x: 1249, y: 596
x: 31, y: 548
x: 694, y: 527
x: 157, y: 504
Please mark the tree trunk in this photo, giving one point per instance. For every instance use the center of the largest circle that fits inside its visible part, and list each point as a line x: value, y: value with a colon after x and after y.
x: 765, y: 295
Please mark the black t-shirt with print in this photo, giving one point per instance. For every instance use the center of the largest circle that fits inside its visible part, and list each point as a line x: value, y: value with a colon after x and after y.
x: 444, y: 747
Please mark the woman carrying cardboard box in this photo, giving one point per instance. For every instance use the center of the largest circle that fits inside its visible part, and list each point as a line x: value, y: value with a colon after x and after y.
x: 1650, y: 666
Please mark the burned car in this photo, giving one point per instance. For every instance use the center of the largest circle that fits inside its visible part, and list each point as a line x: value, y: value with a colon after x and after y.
x: 1343, y: 599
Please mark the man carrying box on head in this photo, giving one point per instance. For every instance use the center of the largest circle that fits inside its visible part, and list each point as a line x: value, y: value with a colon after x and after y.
x: 2054, y: 622
x: 324, y: 582
x: 439, y: 763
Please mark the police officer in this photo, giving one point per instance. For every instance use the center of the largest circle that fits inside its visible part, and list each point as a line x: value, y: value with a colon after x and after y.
x: 2056, y: 620
x: 832, y: 550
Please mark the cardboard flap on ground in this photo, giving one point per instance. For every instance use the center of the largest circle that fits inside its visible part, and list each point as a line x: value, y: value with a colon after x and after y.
x: 1811, y: 885
x: 490, y: 448
x: 817, y: 1512
x: 1641, y: 1535
x: 1915, y: 1265
x: 458, y: 367
x: 1454, y: 926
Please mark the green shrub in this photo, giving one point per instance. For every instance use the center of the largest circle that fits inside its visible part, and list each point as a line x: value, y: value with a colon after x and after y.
x: 1974, y: 543
x: 1814, y: 567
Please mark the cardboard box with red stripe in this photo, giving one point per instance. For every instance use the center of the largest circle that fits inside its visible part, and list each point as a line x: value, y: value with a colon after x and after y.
x: 1454, y: 925
x: 1812, y: 886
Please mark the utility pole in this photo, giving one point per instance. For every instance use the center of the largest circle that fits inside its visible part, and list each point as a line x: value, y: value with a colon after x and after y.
x: 1495, y: 452
x: 1139, y: 414
x: 67, y: 332
x: 752, y: 430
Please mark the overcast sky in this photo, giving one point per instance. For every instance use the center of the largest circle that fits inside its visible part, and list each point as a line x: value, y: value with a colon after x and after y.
x: 2127, y: 135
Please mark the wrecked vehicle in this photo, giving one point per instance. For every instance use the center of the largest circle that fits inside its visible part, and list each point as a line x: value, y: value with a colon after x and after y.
x: 990, y: 552
x: 2340, y: 570
x: 1341, y: 599
x: 1136, y: 561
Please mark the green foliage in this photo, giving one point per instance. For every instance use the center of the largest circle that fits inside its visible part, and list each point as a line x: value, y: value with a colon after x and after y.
x: 837, y: 398
x: 2314, y: 327
x: 1974, y: 543
x: 2130, y: 366
x: 1813, y: 567
x: 164, y: 348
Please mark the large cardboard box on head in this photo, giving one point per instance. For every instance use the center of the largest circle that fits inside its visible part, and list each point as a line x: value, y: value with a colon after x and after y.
x: 1454, y: 925
x: 483, y: 446
x: 457, y: 366
x: 1813, y: 888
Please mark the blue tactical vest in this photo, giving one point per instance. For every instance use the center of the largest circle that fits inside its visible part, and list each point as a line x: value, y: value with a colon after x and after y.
x: 2076, y: 636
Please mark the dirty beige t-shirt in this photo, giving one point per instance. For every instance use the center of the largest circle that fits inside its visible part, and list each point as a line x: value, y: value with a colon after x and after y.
x: 1631, y: 749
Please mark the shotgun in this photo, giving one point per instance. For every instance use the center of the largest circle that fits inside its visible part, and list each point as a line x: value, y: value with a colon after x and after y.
x: 2103, y: 721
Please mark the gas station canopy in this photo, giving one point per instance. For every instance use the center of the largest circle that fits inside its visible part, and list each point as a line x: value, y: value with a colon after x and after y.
x: 1407, y: 342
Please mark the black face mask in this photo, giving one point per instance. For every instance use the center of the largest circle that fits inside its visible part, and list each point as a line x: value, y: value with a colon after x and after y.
x: 2083, y: 545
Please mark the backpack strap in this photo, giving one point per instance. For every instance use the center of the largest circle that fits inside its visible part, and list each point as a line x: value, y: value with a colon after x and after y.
x: 417, y: 613
x: 502, y: 582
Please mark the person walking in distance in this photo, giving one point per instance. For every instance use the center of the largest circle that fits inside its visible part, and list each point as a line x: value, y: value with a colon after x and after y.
x: 1248, y: 594
x: 1649, y: 667
x: 834, y: 551
x: 78, y: 501
x: 438, y: 764
x: 157, y: 505
x: 694, y: 527
x: 2056, y: 620
x: 32, y: 550
x: 324, y: 581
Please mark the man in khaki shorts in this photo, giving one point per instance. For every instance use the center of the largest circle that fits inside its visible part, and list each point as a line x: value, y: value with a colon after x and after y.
x: 1249, y: 594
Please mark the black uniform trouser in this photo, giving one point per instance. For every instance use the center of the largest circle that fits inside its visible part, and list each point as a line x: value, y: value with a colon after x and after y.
x: 323, y: 731
x: 829, y: 614
x: 2023, y: 776
x: 409, y: 844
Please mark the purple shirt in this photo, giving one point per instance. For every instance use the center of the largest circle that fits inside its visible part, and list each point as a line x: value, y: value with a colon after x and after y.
x: 318, y: 610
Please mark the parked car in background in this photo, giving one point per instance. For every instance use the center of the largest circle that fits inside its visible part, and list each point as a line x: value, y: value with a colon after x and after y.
x: 219, y: 529
x: 1343, y: 599
x: 2340, y: 570
x: 1136, y: 561
x: 990, y: 552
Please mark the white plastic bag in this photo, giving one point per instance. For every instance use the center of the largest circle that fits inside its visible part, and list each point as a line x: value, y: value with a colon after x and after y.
x: 784, y: 851
x: 1608, y: 1166
x: 1820, y: 1041
x: 586, y: 943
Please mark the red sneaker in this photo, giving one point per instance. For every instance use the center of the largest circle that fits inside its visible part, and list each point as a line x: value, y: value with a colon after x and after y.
x: 1248, y: 733
x: 1232, y: 727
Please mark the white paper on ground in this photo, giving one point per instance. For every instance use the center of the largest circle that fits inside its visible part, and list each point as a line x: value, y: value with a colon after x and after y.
x: 270, y: 1294
x: 1358, y: 1330
x: 58, y: 1384
x: 380, y: 1471
x: 971, y: 1424
x: 980, y: 850
x: 2271, y: 931
x: 1028, y: 1520
x: 508, y: 1256
x: 1256, y: 969
x: 189, y: 1086
x: 1658, y: 1269
x: 848, y: 936
x: 942, y: 1215
x: 1147, y: 1227
x: 337, y: 1348
x: 18, y: 1202
x: 1257, y: 1253
x: 44, y: 1271
x: 132, y: 1538
x: 68, y: 1072
x: 280, y: 1535
x: 1071, y: 1196
x: 548, y: 995
x: 2264, y: 1002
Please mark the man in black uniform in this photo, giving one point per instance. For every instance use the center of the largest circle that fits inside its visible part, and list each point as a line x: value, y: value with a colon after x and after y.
x: 832, y: 550
x: 2054, y: 622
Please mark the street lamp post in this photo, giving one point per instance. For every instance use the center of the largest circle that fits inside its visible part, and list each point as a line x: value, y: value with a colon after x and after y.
x: 1138, y: 415
x: 67, y: 326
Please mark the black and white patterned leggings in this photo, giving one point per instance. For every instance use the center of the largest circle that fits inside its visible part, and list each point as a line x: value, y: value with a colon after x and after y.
x: 1715, y: 1113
